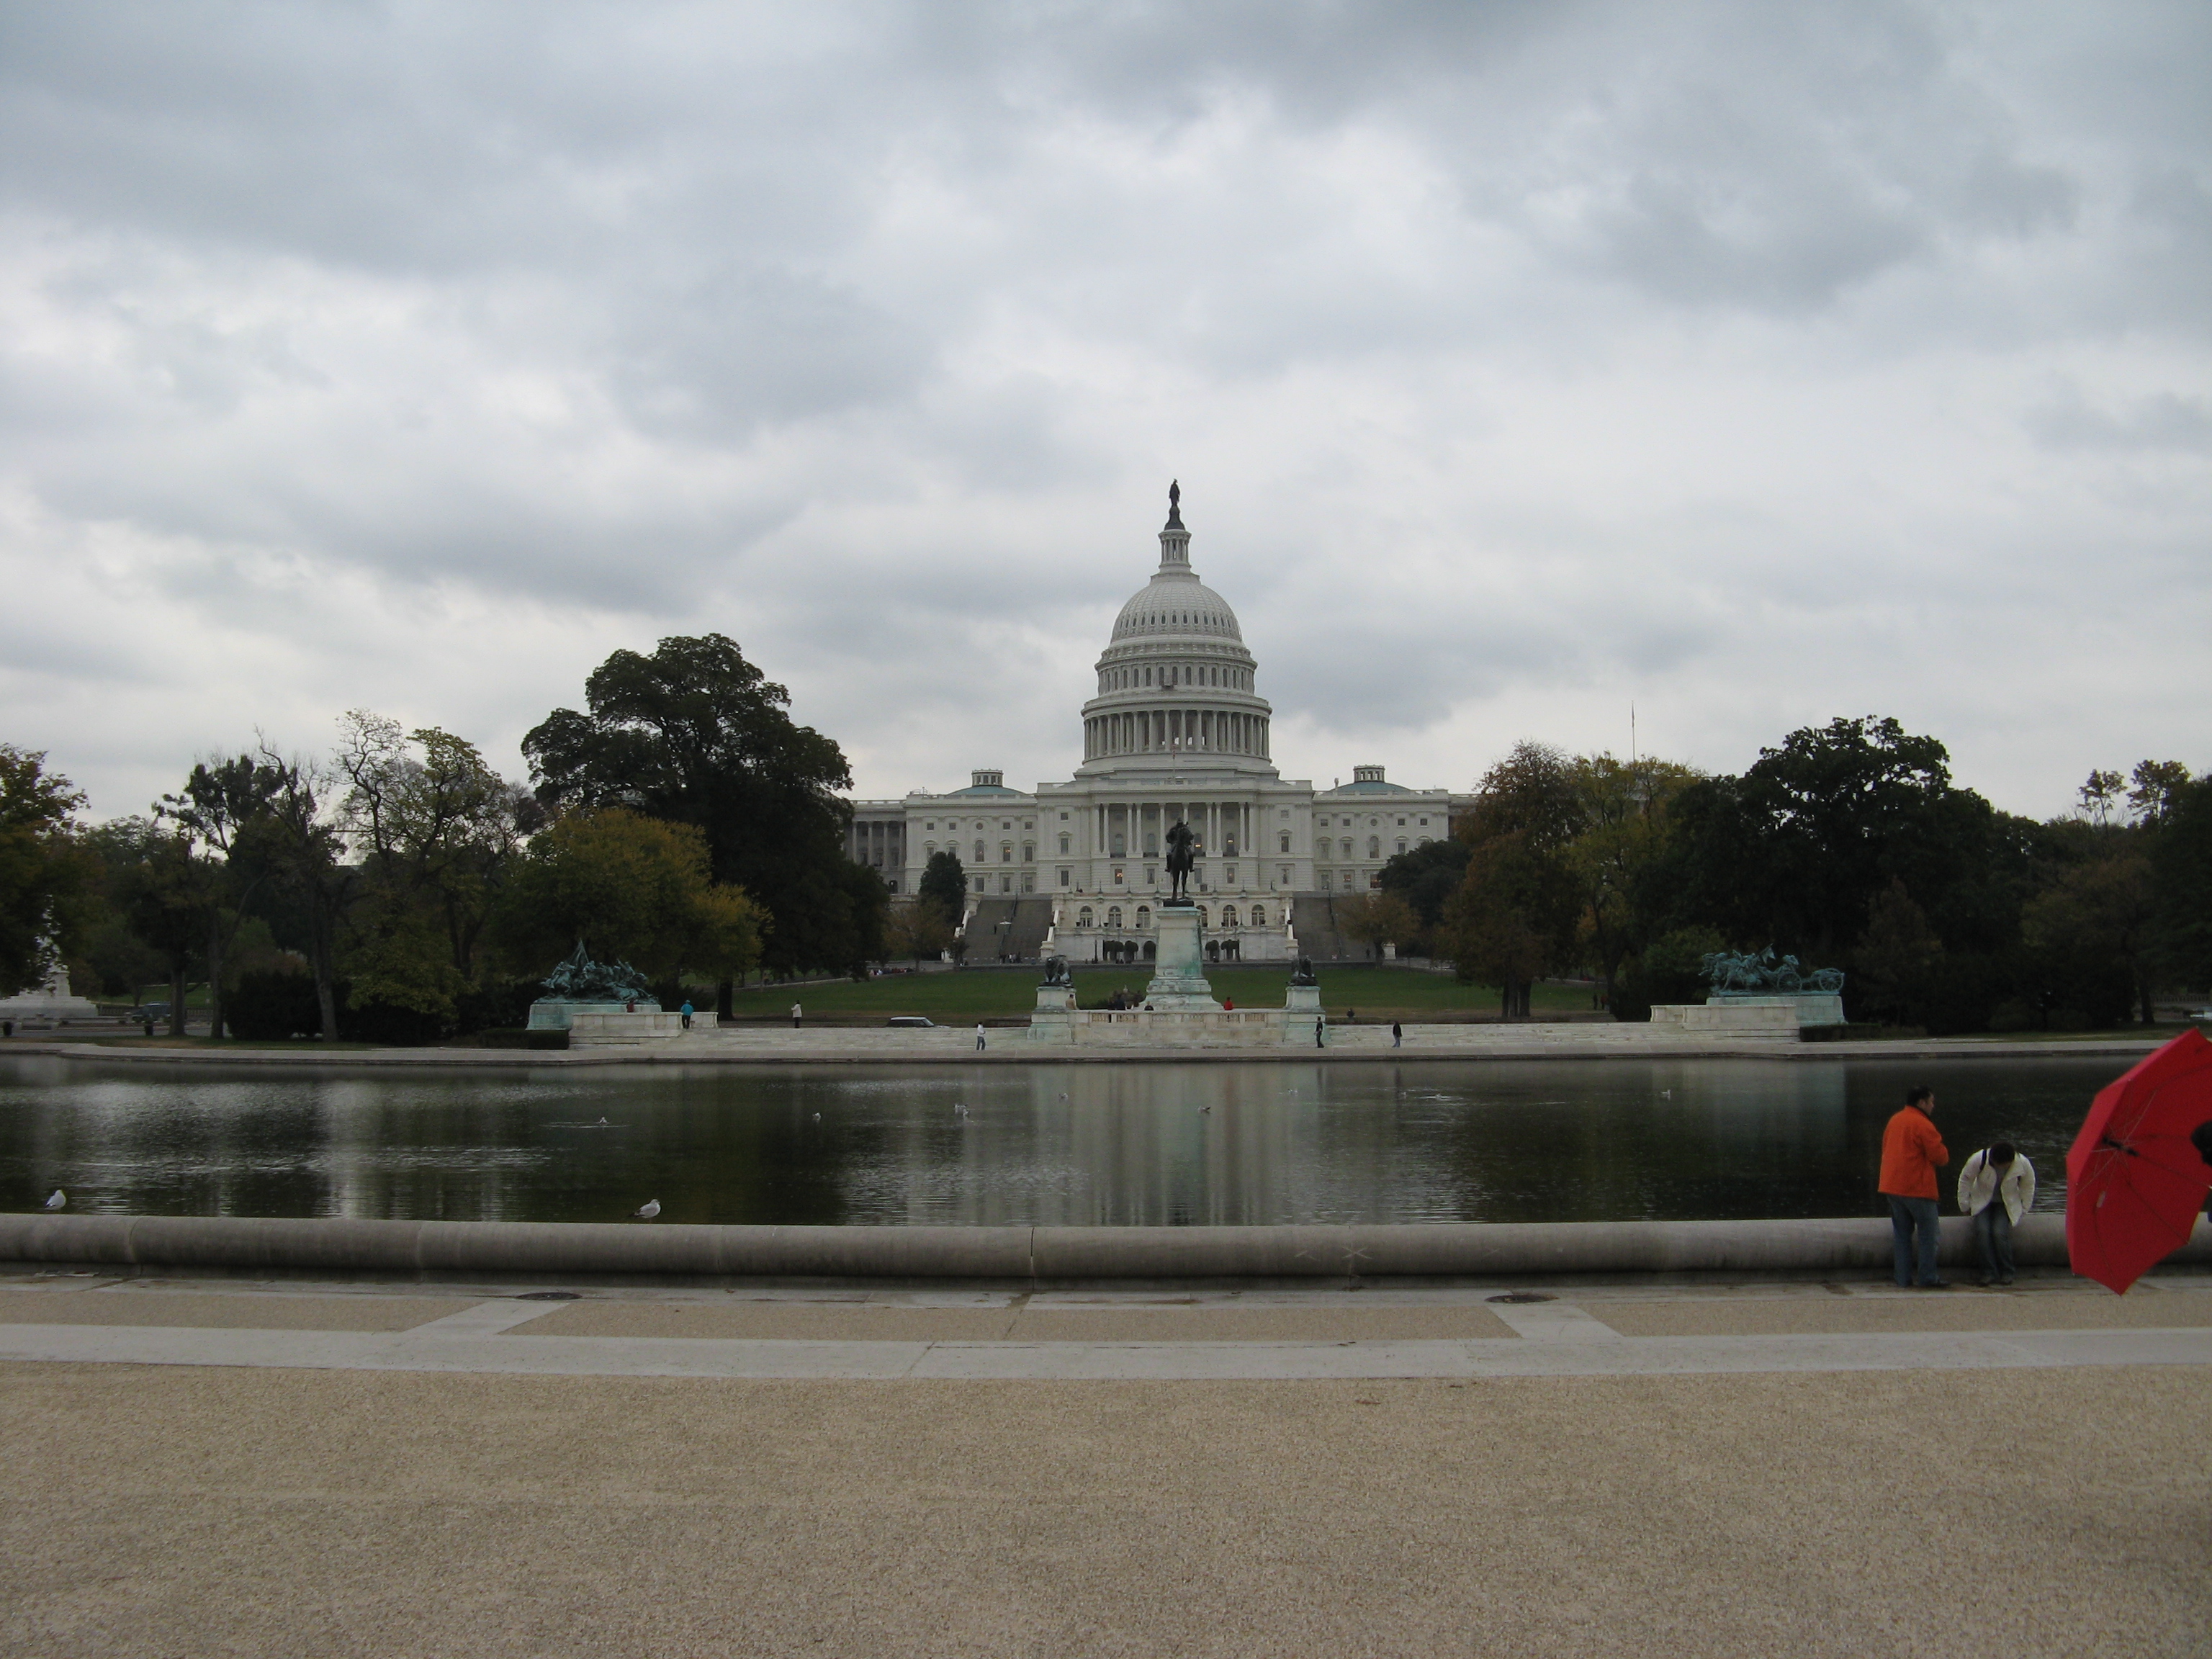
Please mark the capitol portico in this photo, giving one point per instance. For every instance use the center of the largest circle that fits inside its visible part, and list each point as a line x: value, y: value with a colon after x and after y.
x: 1178, y: 730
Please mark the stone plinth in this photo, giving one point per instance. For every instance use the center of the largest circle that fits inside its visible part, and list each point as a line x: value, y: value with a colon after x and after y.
x: 52, y: 1000
x: 1053, y: 1020
x: 1776, y: 1019
x: 1179, y: 982
x: 1811, y: 1007
x: 591, y: 1028
x: 551, y: 1014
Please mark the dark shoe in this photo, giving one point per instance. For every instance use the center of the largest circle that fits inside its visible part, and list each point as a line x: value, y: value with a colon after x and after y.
x: 1936, y: 1285
x: 2007, y: 1280
x: 1985, y: 1281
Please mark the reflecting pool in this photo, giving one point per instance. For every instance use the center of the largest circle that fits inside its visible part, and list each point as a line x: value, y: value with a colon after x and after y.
x: 1066, y: 1144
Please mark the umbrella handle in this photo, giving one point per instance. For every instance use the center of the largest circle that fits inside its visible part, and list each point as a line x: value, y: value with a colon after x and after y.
x: 2106, y: 1141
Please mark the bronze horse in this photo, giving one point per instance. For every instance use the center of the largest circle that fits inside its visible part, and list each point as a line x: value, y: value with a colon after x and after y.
x: 1182, y: 859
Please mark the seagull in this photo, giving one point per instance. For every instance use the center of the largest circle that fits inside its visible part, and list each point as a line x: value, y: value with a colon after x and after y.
x: 817, y: 1117
x: 602, y: 1124
x: 57, y: 1200
x: 1666, y: 1094
x: 1206, y: 1108
x: 958, y: 1110
x: 646, y: 1211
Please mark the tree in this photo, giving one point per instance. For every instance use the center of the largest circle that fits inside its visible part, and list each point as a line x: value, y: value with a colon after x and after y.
x: 1622, y: 839
x: 944, y: 884
x: 1426, y: 877
x: 695, y: 734
x: 628, y: 888
x: 1376, y: 920
x: 435, y: 829
x: 2100, y: 797
x: 300, y: 839
x: 2104, y: 912
x: 2155, y: 786
x: 2181, y: 872
x: 1513, y: 919
x: 167, y: 892
x: 45, y: 875
x: 916, y: 931
x: 1897, y: 956
x: 1793, y: 852
x: 221, y: 802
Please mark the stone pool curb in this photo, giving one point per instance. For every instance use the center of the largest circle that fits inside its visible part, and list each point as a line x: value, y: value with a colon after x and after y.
x: 1023, y: 1256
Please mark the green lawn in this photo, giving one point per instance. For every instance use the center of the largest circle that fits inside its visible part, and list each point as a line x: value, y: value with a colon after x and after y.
x: 965, y: 996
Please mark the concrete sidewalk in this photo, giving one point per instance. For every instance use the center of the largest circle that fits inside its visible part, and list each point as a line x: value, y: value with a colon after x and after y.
x: 174, y: 1501
x: 1039, y: 1336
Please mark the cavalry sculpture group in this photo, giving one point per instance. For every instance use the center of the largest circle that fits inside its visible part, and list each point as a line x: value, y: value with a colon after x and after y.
x: 1762, y: 971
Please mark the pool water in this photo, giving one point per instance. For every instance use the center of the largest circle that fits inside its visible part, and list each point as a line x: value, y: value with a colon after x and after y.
x: 1049, y: 1143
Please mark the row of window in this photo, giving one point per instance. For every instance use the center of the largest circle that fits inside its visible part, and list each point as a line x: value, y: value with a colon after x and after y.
x: 1086, y: 916
x: 1325, y: 849
x: 1132, y: 679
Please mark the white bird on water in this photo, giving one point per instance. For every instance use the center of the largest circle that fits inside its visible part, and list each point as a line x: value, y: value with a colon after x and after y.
x: 646, y: 1211
x: 958, y: 1110
x: 57, y: 1200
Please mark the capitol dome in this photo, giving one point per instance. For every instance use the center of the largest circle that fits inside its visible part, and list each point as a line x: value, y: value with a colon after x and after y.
x: 1176, y: 602
x: 1176, y: 683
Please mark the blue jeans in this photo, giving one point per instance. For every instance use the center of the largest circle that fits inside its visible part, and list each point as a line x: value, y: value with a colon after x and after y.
x: 1907, y: 1215
x: 1993, y: 1233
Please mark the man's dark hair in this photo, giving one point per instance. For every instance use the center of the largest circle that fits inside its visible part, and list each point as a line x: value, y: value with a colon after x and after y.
x: 2002, y: 1152
x: 2201, y: 1138
x: 1918, y: 1092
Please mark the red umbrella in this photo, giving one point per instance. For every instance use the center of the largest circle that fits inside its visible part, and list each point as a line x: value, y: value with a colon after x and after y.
x: 2135, y: 1182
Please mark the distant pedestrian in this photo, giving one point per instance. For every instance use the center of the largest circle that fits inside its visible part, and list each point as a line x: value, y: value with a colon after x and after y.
x: 1229, y: 1005
x: 1321, y: 1022
x: 687, y: 1015
x: 1397, y: 1035
x: 1996, y: 1186
x: 1351, y: 1016
x: 1912, y: 1152
x: 796, y: 1013
x: 979, y: 1037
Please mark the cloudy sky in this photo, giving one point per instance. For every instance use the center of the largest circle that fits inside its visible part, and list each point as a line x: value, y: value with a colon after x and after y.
x: 1752, y: 363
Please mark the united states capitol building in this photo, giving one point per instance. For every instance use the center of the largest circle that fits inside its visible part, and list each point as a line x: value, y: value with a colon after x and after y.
x: 1178, y: 730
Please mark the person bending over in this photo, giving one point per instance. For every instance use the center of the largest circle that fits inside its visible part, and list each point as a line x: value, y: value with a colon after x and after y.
x: 1996, y: 1186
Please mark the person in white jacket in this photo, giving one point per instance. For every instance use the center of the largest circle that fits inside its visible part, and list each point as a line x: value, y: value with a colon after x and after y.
x: 1996, y: 1188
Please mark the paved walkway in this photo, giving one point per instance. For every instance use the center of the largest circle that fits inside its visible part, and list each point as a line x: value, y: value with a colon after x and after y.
x: 1302, y: 1334
x: 310, y: 1469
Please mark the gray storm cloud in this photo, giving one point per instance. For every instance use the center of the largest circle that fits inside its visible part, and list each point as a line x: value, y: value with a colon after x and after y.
x: 1754, y: 364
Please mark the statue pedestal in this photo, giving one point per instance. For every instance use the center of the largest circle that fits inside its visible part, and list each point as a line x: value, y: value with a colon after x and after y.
x: 1811, y: 1007
x: 53, y: 1000
x: 1055, y: 1019
x: 551, y: 1014
x: 1179, y: 983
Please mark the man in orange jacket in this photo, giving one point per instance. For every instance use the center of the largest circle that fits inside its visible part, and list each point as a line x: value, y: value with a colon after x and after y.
x: 1912, y: 1152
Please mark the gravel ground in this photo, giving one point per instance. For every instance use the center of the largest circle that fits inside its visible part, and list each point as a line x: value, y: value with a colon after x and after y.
x: 183, y: 1510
